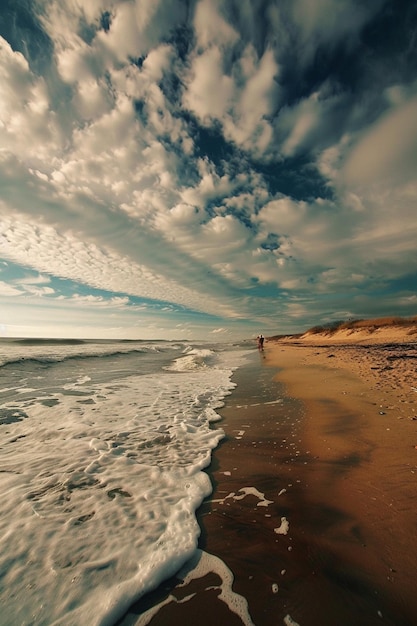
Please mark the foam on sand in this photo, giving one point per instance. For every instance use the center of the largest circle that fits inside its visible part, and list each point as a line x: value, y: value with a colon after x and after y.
x: 243, y: 493
x: 284, y: 528
x: 201, y: 564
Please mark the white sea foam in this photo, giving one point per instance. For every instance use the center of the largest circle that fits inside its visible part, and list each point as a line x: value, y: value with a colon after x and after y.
x: 101, y: 477
x: 194, y: 359
x: 201, y: 564
x: 283, y: 528
x: 81, y: 381
x: 243, y: 493
x: 288, y: 621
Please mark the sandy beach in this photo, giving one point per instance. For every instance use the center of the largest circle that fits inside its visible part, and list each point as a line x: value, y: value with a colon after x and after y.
x: 313, y: 505
x: 360, y: 429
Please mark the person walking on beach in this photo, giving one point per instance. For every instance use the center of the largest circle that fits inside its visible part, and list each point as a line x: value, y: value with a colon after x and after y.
x: 261, y: 340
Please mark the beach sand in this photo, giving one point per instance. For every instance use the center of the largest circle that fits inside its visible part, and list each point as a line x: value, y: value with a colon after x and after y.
x: 313, y: 504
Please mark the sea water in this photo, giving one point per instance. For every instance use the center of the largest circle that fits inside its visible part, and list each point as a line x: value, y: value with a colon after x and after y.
x: 102, y: 450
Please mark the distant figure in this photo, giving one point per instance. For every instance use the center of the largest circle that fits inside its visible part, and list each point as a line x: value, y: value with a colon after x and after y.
x: 261, y: 340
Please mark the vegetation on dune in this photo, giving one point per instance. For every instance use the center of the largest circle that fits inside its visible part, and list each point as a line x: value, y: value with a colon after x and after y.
x: 371, y: 325
x: 365, y: 324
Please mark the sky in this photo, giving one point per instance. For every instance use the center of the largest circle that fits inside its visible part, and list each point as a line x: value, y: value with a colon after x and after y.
x: 206, y: 169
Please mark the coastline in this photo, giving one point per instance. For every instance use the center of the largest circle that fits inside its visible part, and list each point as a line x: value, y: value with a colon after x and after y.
x: 319, y: 451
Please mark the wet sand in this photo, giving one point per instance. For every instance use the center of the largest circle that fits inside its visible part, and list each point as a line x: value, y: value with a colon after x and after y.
x: 320, y: 442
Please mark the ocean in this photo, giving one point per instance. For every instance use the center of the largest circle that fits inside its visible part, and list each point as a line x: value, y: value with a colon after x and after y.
x: 103, y: 447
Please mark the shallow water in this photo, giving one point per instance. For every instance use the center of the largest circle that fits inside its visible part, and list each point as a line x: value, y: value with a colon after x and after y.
x: 102, y: 450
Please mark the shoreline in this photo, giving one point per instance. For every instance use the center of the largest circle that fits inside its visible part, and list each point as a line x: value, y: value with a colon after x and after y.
x: 322, y: 529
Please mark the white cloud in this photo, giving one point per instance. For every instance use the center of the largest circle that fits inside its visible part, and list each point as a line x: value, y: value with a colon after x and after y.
x: 299, y: 121
x: 75, y: 63
x: 126, y: 36
x: 137, y: 27
x: 92, y: 98
x: 100, y: 301
x: 386, y: 151
x: 210, y: 91
x: 39, y: 291
x: 108, y: 132
x: 40, y: 279
x: 210, y: 186
x: 242, y: 109
x: 210, y: 26
x: 8, y: 290
x: 326, y: 22
x: 224, y: 233
x: 34, y: 285
x: 67, y: 256
x: 27, y: 125
x: 333, y: 245
x: 15, y: 76
x: 241, y: 96
x: 248, y: 125
x: 134, y: 28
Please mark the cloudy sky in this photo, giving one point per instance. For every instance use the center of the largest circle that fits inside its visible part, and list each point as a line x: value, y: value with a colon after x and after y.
x: 206, y: 168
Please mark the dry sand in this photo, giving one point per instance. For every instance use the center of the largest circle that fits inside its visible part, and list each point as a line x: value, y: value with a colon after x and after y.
x: 360, y: 427
x: 327, y: 432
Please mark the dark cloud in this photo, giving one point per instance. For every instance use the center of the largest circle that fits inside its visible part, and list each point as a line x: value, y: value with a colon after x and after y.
x: 296, y: 178
x: 20, y: 26
x: 211, y: 144
x: 390, y: 43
